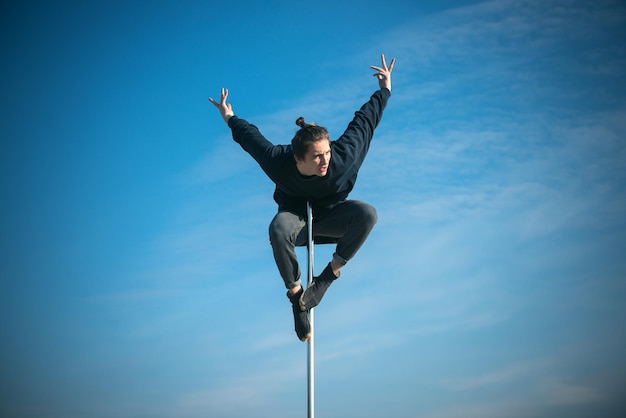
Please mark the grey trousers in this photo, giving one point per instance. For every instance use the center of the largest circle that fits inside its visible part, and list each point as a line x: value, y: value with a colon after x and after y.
x: 349, y: 222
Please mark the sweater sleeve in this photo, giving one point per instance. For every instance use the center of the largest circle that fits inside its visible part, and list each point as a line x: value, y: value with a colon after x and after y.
x: 269, y: 156
x: 357, y: 137
x: 250, y: 138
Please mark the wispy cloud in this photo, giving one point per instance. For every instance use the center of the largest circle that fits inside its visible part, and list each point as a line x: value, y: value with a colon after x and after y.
x: 254, y: 394
x: 506, y: 375
x: 537, y: 387
x: 556, y: 392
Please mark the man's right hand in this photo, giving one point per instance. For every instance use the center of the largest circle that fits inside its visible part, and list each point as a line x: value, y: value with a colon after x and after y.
x: 226, y: 109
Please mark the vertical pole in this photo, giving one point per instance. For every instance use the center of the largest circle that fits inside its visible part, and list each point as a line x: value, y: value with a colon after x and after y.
x: 311, y: 345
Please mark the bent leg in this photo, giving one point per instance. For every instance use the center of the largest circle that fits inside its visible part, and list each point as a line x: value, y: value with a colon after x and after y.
x: 287, y: 230
x: 351, y: 222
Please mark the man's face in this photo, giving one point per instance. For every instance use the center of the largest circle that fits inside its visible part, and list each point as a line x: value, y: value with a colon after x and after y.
x: 316, y: 159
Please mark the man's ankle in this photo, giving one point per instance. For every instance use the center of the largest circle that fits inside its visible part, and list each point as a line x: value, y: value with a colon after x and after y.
x: 335, y: 266
x: 294, y: 290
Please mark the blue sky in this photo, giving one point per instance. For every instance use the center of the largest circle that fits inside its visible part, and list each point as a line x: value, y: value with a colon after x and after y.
x: 137, y: 277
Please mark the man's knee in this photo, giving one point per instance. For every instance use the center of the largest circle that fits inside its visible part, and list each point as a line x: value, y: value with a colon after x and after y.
x: 367, y: 214
x: 282, y: 227
x: 277, y: 230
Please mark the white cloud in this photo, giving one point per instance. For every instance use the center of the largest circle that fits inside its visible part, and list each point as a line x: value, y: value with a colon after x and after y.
x: 506, y: 375
x: 254, y: 394
x: 556, y: 392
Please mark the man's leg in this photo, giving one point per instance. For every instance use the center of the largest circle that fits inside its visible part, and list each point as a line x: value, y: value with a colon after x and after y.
x: 351, y: 222
x: 286, y: 231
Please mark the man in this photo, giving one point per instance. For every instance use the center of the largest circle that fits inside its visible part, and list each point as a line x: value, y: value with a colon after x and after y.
x: 314, y: 168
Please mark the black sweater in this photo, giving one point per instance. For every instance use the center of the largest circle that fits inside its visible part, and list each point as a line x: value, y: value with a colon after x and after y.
x: 347, y: 154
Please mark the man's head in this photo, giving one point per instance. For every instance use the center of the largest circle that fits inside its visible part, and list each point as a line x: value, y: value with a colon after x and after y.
x: 311, y: 149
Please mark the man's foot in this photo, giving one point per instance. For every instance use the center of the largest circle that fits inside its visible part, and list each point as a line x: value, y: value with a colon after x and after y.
x: 300, y: 318
x: 315, y: 291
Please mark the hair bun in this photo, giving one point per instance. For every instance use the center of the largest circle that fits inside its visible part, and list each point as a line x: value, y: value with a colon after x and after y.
x: 300, y: 122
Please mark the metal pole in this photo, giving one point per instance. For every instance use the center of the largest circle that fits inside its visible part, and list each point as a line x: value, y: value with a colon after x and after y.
x: 311, y: 347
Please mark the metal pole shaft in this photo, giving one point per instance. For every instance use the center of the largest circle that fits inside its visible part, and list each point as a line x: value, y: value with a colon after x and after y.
x: 311, y: 346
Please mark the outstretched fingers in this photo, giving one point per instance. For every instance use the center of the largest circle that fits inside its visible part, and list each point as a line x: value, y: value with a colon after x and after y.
x: 383, y: 70
x: 225, y: 109
x: 383, y: 73
x: 223, y: 97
